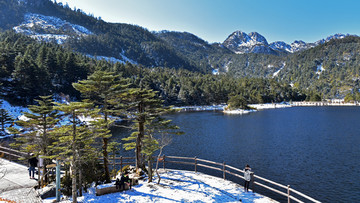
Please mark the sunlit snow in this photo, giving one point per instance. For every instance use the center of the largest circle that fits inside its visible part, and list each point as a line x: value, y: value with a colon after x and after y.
x: 319, y: 70
x: 49, y: 28
x: 278, y: 71
x: 179, y: 186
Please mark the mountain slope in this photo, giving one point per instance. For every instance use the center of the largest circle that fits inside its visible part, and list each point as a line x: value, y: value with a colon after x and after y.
x: 46, y: 20
x: 240, y: 43
x: 301, y: 64
x: 332, y: 68
x: 198, y: 51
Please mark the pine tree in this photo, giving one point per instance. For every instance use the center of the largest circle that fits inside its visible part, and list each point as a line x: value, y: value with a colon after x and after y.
x: 38, y: 126
x: 158, y: 135
x: 73, y: 138
x: 144, y: 106
x: 5, y: 118
x: 105, y: 90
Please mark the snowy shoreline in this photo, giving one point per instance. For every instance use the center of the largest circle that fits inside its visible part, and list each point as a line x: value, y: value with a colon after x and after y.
x: 179, y: 186
x: 257, y: 107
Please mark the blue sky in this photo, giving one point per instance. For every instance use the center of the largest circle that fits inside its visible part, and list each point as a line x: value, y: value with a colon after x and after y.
x: 215, y: 20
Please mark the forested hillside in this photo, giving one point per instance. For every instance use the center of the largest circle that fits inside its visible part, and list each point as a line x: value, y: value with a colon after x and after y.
x: 330, y: 70
x: 30, y: 68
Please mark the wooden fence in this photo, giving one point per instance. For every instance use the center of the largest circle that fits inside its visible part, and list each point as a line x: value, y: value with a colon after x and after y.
x: 283, y: 190
x: 13, y: 155
x: 287, y: 192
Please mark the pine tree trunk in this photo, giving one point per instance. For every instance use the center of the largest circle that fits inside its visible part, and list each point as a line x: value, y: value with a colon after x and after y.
x: 157, y: 166
x: 74, y: 163
x: 150, y: 169
x: 139, y: 160
x: 106, y: 161
x: 80, y: 183
x: 73, y: 178
x: 44, y: 178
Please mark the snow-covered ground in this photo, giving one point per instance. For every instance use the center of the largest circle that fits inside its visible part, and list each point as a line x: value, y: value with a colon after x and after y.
x: 14, y: 111
x: 269, y: 106
x: 238, y: 111
x: 179, y: 186
x: 48, y: 28
x: 201, y: 108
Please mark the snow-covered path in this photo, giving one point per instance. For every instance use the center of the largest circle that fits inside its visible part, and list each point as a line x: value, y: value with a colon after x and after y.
x: 180, y: 186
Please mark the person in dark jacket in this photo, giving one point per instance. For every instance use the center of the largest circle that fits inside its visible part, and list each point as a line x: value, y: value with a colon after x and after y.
x: 32, y: 164
x: 120, y: 184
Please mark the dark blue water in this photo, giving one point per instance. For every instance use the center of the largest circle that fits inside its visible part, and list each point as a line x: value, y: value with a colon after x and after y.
x: 316, y: 150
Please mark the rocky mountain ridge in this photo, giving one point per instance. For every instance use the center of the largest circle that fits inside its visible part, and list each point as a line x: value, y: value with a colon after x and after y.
x: 241, y: 43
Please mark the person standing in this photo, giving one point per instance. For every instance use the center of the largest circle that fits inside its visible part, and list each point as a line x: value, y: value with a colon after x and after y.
x: 247, y: 177
x: 32, y: 164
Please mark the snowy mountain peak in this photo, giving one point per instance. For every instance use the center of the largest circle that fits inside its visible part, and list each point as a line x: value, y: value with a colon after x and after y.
x: 281, y: 46
x: 258, y: 38
x: 49, y: 28
x: 240, y: 42
x: 238, y: 38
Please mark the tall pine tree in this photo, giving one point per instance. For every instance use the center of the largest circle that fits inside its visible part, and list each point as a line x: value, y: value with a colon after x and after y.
x: 73, y: 137
x: 144, y: 106
x: 5, y: 118
x: 104, y: 89
x: 38, y: 126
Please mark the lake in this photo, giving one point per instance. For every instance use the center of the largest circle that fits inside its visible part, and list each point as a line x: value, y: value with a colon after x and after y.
x: 316, y: 150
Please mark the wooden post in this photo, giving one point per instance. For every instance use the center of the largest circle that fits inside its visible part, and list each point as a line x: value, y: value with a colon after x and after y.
x: 224, y: 173
x: 288, y: 191
x: 252, y: 180
x: 121, y: 163
x: 163, y: 162
x: 114, y: 166
x: 195, y: 165
x: 57, y: 180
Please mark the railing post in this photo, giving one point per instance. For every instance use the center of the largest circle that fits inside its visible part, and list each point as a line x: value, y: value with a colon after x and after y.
x: 224, y: 174
x: 121, y: 163
x: 288, y: 192
x: 57, y: 180
x: 195, y: 165
x: 252, y: 180
x: 163, y: 162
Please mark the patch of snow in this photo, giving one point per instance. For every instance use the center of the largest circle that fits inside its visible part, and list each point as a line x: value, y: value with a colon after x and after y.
x: 270, y: 106
x: 113, y: 59
x: 201, y: 108
x: 14, y: 111
x: 278, y: 71
x: 215, y: 71
x: 59, y: 39
x: 109, y: 59
x: 281, y: 46
x: 126, y: 59
x: 55, y: 28
x: 238, y: 111
x: 319, y: 70
x: 179, y: 186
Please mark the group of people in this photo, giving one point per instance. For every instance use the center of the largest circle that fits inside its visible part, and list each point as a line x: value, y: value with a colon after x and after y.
x: 124, y: 179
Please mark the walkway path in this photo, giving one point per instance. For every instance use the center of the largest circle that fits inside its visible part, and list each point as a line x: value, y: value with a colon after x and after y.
x: 16, y: 184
